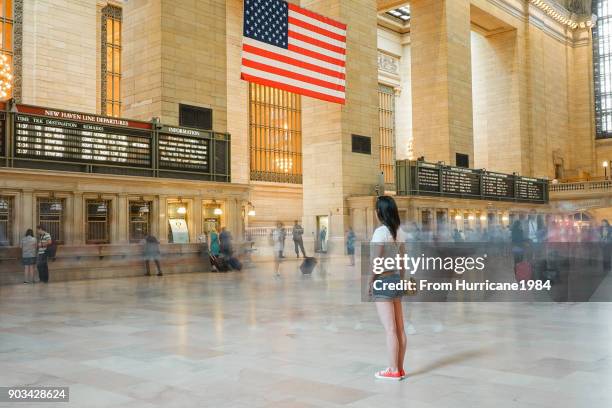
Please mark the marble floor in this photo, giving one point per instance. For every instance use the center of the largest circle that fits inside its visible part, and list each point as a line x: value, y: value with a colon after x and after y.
x: 248, y: 340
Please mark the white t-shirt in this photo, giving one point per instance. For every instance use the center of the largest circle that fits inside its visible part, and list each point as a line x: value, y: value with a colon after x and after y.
x: 382, y: 234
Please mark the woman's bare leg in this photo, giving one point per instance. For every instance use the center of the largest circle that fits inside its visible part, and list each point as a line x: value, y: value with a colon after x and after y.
x: 386, y: 313
x: 401, y: 333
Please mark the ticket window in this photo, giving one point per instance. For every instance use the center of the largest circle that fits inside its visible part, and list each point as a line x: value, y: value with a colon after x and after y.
x: 213, y: 216
x: 178, y: 214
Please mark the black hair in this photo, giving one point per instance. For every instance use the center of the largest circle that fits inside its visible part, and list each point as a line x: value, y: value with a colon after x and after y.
x: 605, y: 221
x: 29, y: 232
x: 387, y: 213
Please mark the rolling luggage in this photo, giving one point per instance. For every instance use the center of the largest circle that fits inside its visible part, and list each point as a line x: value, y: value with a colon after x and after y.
x: 308, y: 265
x: 219, y: 263
x: 234, y: 263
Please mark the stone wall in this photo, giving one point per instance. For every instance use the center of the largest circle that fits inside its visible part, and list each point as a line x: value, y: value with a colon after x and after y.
x: 59, y: 54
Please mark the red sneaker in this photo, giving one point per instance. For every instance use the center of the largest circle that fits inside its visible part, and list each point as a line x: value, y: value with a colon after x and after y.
x: 388, y: 375
x: 402, y: 373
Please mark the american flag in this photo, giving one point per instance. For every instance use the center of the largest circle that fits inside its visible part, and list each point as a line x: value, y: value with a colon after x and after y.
x: 285, y: 46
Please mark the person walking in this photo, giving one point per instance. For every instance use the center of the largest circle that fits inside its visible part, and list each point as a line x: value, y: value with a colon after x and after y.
x: 605, y: 237
x: 42, y: 262
x: 277, y: 244
x: 388, y: 241
x: 322, y: 237
x: 283, y: 237
x: 298, y: 241
x: 226, y: 245
x: 28, y: 255
x: 152, y: 253
x: 350, y: 245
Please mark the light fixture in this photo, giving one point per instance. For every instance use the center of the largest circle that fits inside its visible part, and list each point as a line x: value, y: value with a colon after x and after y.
x: 458, y: 217
x: 101, y: 207
x: 144, y: 208
x: 251, y: 212
x: 217, y: 210
x: 182, y: 209
x: 470, y: 217
x: 505, y: 218
x: 483, y: 218
x: 6, y: 78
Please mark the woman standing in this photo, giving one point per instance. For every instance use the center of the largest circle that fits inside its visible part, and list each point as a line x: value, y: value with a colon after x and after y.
x: 389, y: 240
x: 215, y: 248
x: 28, y: 255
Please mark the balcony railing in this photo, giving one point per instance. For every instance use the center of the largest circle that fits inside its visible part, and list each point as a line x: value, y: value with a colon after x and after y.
x: 599, y: 185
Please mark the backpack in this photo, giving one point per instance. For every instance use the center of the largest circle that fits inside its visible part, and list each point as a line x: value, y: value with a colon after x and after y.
x: 51, y: 249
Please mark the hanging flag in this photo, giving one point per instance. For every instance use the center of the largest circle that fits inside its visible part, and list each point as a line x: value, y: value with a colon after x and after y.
x: 285, y: 46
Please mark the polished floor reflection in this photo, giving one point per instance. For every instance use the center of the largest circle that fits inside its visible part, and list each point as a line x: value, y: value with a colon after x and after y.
x: 249, y: 340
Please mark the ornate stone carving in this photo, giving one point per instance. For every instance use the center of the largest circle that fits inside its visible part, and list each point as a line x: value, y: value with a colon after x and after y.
x: 388, y: 63
x: 17, y: 49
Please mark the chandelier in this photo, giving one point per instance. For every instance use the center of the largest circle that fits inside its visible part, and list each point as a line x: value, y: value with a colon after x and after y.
x: 5, y: 77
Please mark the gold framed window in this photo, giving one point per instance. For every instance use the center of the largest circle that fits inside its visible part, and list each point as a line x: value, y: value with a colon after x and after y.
x: 111, y: 61
x: 6, y: 220
x: 275, y: 130
x: 51, y: 217
x: 386, y: 131
x: 140, y: 220
x: 98, y: 221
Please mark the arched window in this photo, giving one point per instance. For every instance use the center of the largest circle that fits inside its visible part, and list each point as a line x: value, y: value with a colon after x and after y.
x: 602, y: 67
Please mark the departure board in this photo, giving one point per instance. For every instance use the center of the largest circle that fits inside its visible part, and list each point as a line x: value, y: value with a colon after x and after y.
x: 428, y: 177
x: 498, y: 185
x: 184, y: 149
x: 451, y: 181
x: 529, y: 189
x: 52, y: 135
x: 457, y: 180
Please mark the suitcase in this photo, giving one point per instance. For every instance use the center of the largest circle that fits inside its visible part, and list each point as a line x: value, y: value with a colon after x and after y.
x: 308, y: 265
x: 219, y: 263
x: 234, y: 263
x: 523, y: 271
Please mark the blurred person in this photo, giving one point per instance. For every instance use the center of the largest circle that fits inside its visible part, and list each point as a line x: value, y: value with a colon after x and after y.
x: 225, y: 241
x: 42, y: 262
x: 152, y: 253
x: 283, y: 237
x: 277, y: 244
x: 322, y: 238
x: 388, y: 301
x: 350, y: 245
x: 605, y: 237
x: 457, y: 236
x: 298, y: 241
x: 518, y: 241
x: 28, y: 255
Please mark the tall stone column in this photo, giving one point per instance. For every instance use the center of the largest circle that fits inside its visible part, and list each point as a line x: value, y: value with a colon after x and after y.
x: 174, y: 52
x: 331, y: 171
x: 78, y: 219
x: 123, y: 222
x: 441, y: 79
